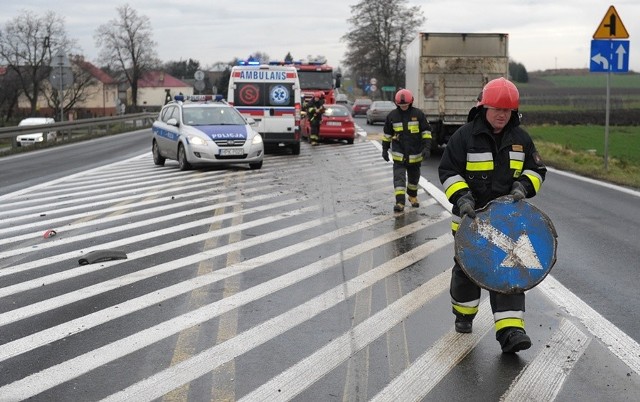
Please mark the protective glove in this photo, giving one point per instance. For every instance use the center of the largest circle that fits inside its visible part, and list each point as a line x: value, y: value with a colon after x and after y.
x: 518, y: 192
x: 466, y: 205
x: 385, y: 153
x: 426, y: 153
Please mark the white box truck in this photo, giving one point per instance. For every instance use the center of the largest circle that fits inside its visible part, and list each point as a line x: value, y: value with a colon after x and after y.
x: 447, y: 71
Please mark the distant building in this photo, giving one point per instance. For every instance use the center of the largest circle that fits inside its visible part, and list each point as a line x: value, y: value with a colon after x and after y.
x: 98, y: 97
x: 102, y: 97
x: 153, y: 86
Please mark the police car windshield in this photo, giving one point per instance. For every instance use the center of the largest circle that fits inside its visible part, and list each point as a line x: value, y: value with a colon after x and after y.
x: 208, y: 116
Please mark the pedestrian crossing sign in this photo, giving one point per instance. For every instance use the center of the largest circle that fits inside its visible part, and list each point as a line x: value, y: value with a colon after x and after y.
x: 611, y: 26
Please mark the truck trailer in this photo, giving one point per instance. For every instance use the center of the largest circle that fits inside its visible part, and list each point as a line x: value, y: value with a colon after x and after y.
x: 447, y: 71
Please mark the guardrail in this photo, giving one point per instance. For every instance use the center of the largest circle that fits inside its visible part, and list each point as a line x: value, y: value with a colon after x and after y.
x: 84, y: 127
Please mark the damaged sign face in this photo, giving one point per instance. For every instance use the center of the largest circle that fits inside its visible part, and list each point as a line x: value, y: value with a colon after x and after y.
x: 509, y: 247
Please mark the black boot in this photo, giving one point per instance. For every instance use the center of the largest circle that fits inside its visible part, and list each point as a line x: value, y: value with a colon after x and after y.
x: 513, y: 340
x: 463, y: 326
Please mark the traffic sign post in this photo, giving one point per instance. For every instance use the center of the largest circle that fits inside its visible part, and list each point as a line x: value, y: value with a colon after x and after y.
x: 611, y: 56
x: 63, y: 77
x: 509, y: 247
x: 611, y: 26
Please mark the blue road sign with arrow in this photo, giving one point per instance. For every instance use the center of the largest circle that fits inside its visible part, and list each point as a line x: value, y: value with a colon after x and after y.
x: 609, y: 56
x: 509, y: 247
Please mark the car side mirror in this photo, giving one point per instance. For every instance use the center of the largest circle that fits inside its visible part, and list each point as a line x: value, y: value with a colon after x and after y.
x: 173, y: 122
x: 251, y: 121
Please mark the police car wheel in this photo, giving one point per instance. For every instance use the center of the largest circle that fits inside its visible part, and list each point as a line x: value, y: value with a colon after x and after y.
x: 157, y: 158
x: 255, y: 166
x: 182, y: 158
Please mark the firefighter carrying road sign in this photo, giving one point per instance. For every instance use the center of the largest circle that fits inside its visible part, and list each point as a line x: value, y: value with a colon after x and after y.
x: 508, y: 248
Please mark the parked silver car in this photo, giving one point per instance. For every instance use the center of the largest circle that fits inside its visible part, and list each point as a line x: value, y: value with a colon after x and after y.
x: 378, y: 111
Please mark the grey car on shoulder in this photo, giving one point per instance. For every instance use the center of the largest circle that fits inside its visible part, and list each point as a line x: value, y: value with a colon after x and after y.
x: 378, y: 111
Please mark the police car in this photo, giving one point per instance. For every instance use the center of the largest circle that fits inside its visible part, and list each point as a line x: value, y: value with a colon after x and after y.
x: 204, y: 130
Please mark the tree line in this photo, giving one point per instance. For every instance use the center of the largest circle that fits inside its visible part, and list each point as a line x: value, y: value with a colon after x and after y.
x: 377, y: 36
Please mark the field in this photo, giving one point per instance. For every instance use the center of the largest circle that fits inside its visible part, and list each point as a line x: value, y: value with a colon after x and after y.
x: 564, y: 111
x: 580, y: 91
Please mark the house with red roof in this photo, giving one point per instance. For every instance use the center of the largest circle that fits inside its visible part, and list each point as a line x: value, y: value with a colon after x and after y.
x: 97, y: 98
x: 101, y: 97
x: 153, y: 87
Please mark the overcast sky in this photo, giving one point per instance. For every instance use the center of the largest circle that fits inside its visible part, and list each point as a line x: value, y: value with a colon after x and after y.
x: 543, y: 34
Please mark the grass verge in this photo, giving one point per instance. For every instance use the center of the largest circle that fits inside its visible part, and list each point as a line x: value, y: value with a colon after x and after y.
x: 580, y: 149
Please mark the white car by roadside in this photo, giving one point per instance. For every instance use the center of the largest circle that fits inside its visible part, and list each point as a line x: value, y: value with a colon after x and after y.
x: 30, y: 139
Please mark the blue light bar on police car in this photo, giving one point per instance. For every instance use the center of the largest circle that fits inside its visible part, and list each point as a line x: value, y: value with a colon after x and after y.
x: 198, y: 98
x: 248, y: 63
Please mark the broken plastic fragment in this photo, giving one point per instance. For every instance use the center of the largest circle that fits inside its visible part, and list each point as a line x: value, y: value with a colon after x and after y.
x: 49, y: 233
x: 101, y: 256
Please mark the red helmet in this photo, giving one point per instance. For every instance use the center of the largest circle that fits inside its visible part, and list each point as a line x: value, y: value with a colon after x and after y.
x: 500, y: 94
x: 404, y: 97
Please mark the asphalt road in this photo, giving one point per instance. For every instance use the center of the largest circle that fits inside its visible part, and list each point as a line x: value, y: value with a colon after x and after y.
x: 294, y: 282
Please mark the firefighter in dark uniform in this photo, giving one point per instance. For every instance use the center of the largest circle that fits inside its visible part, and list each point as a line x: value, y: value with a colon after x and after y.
x: 408, y: 135
x: 315, y: 109
x: 490, y: 157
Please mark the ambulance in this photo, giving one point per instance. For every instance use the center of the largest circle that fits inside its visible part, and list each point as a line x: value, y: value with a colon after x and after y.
x: 270, y: 95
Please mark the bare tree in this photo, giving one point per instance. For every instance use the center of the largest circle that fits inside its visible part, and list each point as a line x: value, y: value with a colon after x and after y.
x: 376, y: 43
x: 26, y: 45
x: 127, y: 46
x: 9, y: 92
x: 84, y: 85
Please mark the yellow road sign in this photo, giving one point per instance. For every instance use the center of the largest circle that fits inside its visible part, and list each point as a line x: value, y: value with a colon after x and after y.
x: 611, y: 26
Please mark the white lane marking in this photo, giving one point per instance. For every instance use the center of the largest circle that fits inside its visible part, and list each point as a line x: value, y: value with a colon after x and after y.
x: 543, y: 378
x: 165, y: 205
x: 175, y: 376
x: 303, y: 374
x: 162, y: 382
x: 120, y: 228
x: 430, y: 368
x: 102, y: 287
x: 85, y: 269
x: 83, y: 323
x: 62, y: 179
x: 596, y: 182
x: 106, y: 192
x: 619, y: 343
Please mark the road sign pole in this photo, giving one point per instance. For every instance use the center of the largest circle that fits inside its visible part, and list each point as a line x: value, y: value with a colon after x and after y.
x: 60, y: 95
x: 605, y: 59
x: 606, y: 124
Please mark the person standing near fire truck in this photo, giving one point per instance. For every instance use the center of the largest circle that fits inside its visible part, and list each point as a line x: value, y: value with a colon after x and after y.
x: 315, y: 109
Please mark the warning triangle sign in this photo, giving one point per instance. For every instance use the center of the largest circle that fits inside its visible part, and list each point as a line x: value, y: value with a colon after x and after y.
x: 611, y: 26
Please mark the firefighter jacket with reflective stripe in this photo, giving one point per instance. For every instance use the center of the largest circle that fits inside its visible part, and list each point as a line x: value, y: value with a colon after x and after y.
x: 314, y: 110
x: 474, y: 161
x: 407, y: 133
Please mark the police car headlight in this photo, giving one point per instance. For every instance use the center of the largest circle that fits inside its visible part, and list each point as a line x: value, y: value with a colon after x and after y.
x: 195, y: 140
x: 257, y: 139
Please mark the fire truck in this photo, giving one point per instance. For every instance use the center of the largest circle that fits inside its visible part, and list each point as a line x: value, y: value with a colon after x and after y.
x: 317, y: 77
